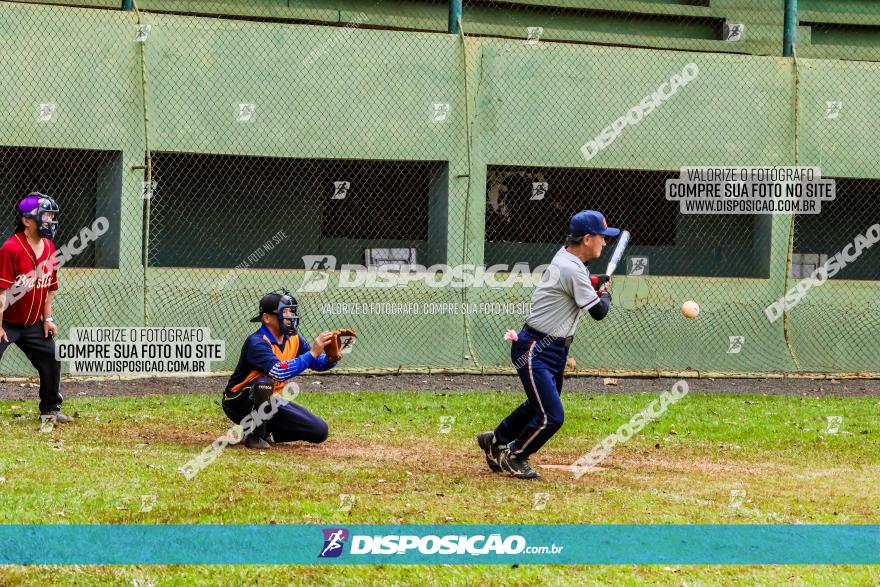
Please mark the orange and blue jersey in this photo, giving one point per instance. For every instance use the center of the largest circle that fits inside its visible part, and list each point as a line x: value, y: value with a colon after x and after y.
x: 264, y: 356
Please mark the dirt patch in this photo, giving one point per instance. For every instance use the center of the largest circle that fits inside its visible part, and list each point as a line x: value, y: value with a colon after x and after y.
x: 568, y: 468
x: 635, y: 462
x: 72, y: 389
x: 156, y: 433
x: 347, y: 450
x: 692, y: 465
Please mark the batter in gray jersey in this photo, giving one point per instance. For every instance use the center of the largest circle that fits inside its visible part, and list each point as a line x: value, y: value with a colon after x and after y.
x: 562, y: 294
x: 541, y: 348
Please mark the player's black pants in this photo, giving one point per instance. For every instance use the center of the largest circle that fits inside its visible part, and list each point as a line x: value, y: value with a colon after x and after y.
x: 291, y: 422
x: 540, y: 364
x: 40, y: 351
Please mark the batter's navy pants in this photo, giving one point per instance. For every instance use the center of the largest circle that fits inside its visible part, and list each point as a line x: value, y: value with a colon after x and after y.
x: 291, y: 422
x: 40, y: 351
x: 540, y: 363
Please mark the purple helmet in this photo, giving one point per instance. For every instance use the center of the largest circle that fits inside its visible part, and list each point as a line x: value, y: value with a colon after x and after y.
x: 43, y: 209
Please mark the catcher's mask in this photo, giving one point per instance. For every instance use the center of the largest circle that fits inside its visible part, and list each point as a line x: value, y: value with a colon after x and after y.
x: 282, y: 305
x: 42, y: 209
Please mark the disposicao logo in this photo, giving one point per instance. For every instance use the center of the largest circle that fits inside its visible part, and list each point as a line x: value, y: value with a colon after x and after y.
x: 334, y: 541
x: 408, y: 544
x: 445, y: 545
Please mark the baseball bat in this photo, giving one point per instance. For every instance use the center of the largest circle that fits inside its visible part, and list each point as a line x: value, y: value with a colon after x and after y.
x: 599, y: 280
x: 619, y: 249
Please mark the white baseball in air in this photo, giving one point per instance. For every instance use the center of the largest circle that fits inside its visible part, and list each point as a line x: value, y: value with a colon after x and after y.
x: 690, y: 309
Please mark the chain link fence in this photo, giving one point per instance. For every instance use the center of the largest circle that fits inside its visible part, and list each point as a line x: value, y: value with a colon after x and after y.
x: 72, y: 126
x: 374, y: 165
x: 836, y: 324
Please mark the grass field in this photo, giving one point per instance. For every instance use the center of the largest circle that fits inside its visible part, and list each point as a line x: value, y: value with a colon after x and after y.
x: 710, y: 459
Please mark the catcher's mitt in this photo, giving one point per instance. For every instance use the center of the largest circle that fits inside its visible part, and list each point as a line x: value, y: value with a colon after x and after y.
x: 342, y: 340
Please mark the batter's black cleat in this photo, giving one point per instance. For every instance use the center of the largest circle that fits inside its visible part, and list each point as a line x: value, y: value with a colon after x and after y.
x: 254, y: 441
x: 517, y: 467
x: 486, y: 440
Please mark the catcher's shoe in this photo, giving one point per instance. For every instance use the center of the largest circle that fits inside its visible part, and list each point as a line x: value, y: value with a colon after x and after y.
x: 517, y: 467
x: 254, y: 441
x: 486, y: 440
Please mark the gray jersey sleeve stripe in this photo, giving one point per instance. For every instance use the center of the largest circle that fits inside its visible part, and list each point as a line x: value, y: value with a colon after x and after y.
x: 590, y: 304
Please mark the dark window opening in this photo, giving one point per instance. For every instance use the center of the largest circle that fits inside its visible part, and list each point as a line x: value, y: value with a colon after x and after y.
x: 376, y: 200
x: 528, y: 209
x: 223, y: 210
x: 817, y: 237
x: 853, y: 35
x: 566, y: 19
x: 86, y: 184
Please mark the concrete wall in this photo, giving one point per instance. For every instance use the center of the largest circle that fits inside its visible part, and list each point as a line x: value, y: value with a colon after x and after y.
x: 367, y: 94
x: 843, y: 29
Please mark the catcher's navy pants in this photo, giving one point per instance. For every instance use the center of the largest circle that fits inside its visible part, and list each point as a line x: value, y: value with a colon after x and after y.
x: 540, y: 363
x: 291, y: 422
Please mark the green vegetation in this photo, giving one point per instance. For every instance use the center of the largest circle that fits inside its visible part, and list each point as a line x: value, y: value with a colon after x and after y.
x: 387, y: 449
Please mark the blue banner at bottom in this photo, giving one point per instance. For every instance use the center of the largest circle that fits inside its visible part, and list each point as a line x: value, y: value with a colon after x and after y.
x: 39, y: 544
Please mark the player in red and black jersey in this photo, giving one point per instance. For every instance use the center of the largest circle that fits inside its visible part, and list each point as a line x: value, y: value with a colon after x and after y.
x: 28, y: 281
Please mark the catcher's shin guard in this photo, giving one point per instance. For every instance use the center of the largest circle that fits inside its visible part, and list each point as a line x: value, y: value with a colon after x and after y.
x: 260, y: 390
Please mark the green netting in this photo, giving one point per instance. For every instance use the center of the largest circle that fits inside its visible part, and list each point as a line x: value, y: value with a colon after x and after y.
x: 285, y: 141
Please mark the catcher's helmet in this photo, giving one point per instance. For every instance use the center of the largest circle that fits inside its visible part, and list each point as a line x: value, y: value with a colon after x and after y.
x: 278, y: 303
x: 41, y: 208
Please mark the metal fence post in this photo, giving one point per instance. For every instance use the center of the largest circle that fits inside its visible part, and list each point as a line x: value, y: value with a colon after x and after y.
x: 454, y: 16
x: 790, y: 32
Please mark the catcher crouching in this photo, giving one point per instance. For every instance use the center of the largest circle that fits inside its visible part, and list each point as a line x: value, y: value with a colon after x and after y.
x: 271, y: 356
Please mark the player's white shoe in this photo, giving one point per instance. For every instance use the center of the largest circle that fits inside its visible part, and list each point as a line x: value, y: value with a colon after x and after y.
x: 55, y: 418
